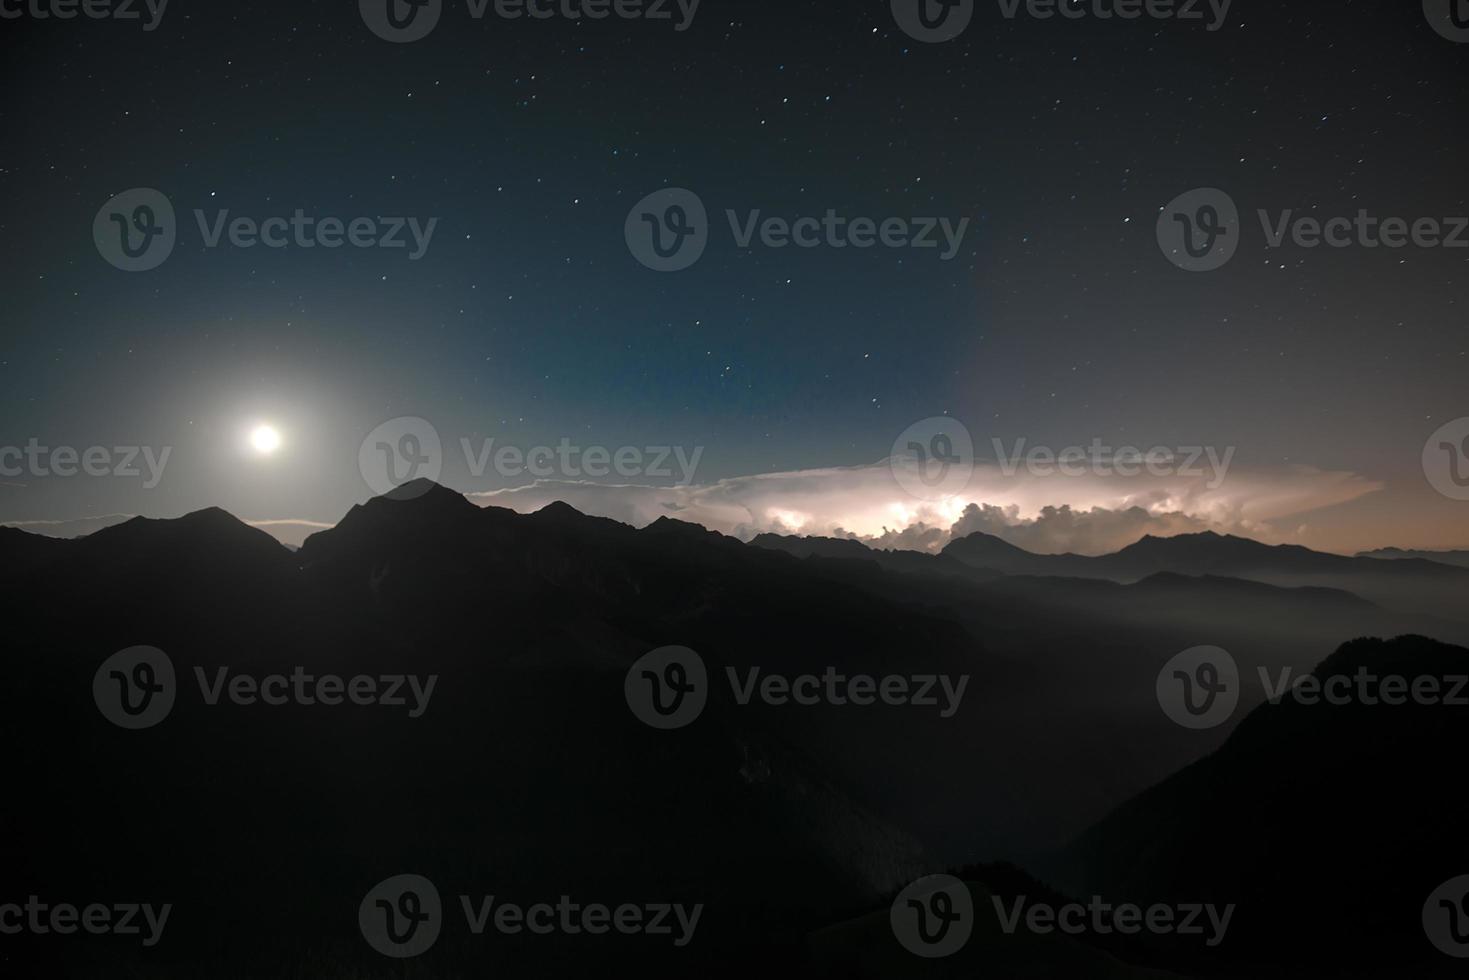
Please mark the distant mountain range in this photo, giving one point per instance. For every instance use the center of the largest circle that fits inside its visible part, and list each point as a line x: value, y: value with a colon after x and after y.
x: 1459, y: 558
x: 1412, y: 582
x: 529, y: 775
x: 73, y: 528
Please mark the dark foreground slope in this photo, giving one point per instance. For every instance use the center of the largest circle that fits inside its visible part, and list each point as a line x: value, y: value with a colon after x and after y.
x: 1329, y: 825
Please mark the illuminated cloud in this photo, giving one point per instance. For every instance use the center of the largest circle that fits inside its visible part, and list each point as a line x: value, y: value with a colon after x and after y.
x: 1093, y: 513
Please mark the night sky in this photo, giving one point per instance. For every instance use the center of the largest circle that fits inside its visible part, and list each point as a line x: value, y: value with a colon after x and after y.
x: 528, y: 320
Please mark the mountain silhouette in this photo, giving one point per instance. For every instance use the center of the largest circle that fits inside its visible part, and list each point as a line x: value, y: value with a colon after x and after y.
x: 529, y: 776
x: 847, y: 549
x: 1457, y: 558
x: 1412, y: 584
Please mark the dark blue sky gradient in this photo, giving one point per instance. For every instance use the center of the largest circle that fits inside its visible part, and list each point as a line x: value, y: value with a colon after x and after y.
x: 529, y: 321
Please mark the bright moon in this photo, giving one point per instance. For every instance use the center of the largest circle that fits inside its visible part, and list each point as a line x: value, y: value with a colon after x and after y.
x: 265, y: 439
